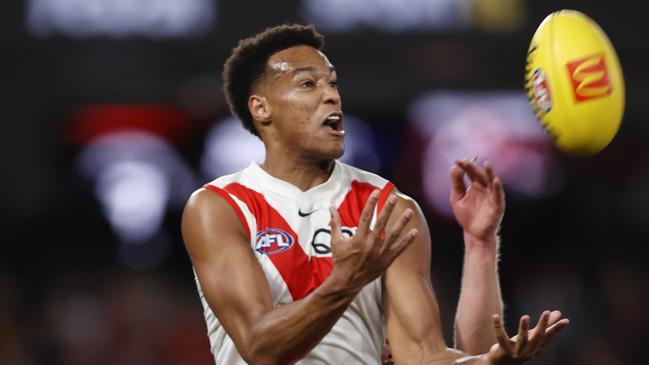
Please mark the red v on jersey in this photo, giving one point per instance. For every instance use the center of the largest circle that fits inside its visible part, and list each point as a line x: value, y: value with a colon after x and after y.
x: 301, y: 273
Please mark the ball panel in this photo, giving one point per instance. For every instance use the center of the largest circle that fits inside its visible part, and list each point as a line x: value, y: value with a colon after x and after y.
x: 569, y: 132
x: 581, y: 54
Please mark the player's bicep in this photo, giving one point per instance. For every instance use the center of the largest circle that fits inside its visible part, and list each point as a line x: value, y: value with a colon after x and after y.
x: 229, y: 274
x: 410, y: 305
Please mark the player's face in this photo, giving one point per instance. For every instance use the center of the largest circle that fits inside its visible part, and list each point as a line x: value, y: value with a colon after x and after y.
x: 306, y: 111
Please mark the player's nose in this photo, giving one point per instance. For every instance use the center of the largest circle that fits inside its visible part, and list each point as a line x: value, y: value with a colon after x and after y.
x: 331, y: 95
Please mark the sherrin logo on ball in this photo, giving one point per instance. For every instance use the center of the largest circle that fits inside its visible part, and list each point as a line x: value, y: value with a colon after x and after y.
x: 574, y: 82
x: 541, y: 96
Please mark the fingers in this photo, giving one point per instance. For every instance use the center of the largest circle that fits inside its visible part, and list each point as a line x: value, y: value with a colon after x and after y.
x: 368, y: 212
x: 476, y: 175
x: 521, y: 340
x: 499, y: 193
x: 404, y: 243
x: 489, y: 172
x: 539, y: 330
x: 530, y: 343
x: 484, y: 177
x: 458, y: 189
x: 395, y: 232
x: 334, y: 223
x: 495, y: 183
x: 553, y: 330
x: 501, y: 335
x: 554, y: 317
x: 385, y: 215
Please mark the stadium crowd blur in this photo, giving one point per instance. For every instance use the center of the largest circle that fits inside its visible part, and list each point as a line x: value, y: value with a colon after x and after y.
x: 113, y: 113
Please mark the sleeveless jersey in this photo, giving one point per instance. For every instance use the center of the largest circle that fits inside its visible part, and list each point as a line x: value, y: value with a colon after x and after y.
x: 290, y: 236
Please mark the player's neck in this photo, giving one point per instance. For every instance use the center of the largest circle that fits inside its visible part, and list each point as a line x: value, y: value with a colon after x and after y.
x: 303, y: 174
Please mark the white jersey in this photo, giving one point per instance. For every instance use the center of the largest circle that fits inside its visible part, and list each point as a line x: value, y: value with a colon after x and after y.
x: 290, y: 236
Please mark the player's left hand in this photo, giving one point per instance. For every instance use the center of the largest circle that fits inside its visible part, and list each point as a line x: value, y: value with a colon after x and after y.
x: 528, y: 343
x: 478, y: 208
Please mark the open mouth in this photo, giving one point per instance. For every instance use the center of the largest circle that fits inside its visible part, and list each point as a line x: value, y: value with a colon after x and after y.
x: 335, y: 122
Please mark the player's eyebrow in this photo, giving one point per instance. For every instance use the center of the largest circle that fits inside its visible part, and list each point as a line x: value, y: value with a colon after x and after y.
x: 332, y: 69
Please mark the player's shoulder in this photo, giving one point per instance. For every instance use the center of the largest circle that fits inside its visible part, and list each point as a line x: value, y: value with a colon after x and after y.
x: 208, y: 216
x: 386, y: 186
x: 221, y: 182
x: 404, y: 201
x: 212, y: 198
x: 210, y: 208
x: 204, y: 202
x: 353, y: 173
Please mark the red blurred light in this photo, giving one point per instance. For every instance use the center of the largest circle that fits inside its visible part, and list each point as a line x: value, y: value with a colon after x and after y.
x: 92, y: 121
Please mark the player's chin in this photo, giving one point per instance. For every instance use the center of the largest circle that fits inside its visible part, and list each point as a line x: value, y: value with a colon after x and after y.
x: 330, y: 151
x: 335, y: 153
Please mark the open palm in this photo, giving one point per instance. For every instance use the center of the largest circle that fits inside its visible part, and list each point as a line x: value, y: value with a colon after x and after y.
x: 479, y: 207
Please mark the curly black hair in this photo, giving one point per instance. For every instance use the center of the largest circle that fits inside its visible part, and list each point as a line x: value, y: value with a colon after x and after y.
x: 247, y: 63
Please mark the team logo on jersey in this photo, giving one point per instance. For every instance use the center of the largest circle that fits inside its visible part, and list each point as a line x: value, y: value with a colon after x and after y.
x: 321, y: 241
x: 272, y: 240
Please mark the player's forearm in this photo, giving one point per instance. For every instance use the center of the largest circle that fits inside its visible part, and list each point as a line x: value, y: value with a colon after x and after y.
x: 455, y: 357
x: 287, y: 333
x: 480, y: 296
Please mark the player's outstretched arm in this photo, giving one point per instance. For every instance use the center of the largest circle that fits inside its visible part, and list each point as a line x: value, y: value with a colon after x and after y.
x: 412, y: 314
x: 478, y: 208
x: 526, y: 345
x: 236, y: 289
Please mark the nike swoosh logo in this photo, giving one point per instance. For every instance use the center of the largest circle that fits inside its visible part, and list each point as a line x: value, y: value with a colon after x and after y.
x: 299, y: 212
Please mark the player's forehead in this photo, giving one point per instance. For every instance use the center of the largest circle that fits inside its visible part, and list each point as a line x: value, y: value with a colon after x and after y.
x: 295, y: 59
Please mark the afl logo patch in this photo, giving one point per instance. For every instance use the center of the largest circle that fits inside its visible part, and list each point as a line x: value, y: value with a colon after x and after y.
x: 272, y: 240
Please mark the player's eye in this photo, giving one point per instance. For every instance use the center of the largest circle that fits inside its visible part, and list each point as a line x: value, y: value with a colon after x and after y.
x: 334, y: 84
x: 307, y: 83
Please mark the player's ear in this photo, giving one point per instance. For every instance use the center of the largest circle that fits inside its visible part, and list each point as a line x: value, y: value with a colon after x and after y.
x: 259, y: 108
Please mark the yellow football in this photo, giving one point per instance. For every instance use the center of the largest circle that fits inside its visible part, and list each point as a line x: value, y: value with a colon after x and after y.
x: 574, y: 82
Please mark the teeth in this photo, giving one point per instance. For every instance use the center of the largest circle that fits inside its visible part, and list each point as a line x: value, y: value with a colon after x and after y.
x: 333, y: 118
x: 331, y: 121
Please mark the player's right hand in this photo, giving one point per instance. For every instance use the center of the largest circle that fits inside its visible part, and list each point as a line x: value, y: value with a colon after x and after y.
x: 360, y: 259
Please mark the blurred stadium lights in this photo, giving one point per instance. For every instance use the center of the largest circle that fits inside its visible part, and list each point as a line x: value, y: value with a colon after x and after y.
x: 387, y: 15
x: 136, y: 175
x: 499, y: 127
x: 120, y: 18
x: 360, y: 144
x: 499, y: 15
x: 414, y: 15
x: 229, y: 147
x: 134, y: 196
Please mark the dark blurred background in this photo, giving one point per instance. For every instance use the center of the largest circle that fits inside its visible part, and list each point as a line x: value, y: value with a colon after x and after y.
x: 113, y: 113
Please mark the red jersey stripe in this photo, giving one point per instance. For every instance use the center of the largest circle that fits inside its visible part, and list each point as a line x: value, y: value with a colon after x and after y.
x: 385, y: 193
x: 233, y: 204
x: 352, y: 206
